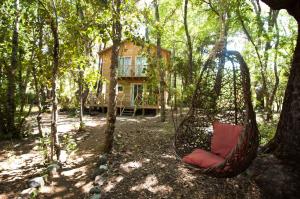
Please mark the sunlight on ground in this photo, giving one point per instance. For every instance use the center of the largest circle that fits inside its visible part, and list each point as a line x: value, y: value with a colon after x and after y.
x: 49, y: 189
x: 185, y: 175
x: 151, y: 184
x: 14, y: 163
x: 19, y: 161
x: 65, y: 128
x: 168, y: 156
x: 129, y: 119
x: 113, y: 182
x: 130, y: 166
x: 161, y: 165
x: 86, y: 188
x: 78, y: 172
x: 92, y: 123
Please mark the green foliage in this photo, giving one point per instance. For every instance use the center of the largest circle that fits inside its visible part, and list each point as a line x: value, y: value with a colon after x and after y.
x: 267, y: 131
x: 34, y: 194
x: 42, y: 146
x: 69, y: 143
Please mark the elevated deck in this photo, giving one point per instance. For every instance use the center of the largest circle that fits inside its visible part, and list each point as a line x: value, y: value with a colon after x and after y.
x: 126, y: 110
x: 141, y: 104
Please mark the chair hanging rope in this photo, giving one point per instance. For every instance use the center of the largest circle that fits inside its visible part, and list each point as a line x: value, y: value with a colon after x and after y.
x: 195, y: 132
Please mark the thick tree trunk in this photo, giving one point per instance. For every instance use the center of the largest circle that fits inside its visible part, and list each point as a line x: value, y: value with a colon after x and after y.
x: 111, y: 109
x: 189, y: 42
x: 3, y: 129
x: 160, y: 68
x: 11, y: 76
x: 55, y: 147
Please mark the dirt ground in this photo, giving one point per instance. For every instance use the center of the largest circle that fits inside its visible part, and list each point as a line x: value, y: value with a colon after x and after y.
x: 143, y: 164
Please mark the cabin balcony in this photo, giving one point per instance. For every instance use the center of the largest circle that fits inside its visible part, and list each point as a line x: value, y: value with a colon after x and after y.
x: 132, y: 71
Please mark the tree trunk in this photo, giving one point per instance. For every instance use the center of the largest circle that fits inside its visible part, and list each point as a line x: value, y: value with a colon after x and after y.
x: 55, y: 147
x: 100, y: 65
x: 34, y: 74
x: 175, y: 90
x: 23, y: 83
x: 38, y: 101
x: 170, y: 93
x: 160, y: 68
x: 222, y: 60
x: 3, y: 129
x: 111, y: 109
x: 189, y: 43
x: 11, y: 77
x: 273, y: 94
x: 80, y: 85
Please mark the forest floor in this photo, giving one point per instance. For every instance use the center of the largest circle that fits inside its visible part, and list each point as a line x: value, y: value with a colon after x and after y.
x: 143, y: 164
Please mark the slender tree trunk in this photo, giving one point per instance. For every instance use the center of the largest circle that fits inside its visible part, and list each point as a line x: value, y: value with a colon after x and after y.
x: 272, y: 20
x: 23, y: 83
x: 170, y: 93
x: 38, y: 101
x: 11, y: 76
x: 273, y: 94
x: 111, y: 109
x: 219, y: 77
x: 80, y: 80
x: 36, y: 83
x: 55, y: 146
x: 100, y: 81
x: 181, y: 99
x: 222, y: 60
x: 189, y: 43
x: 175, y: 90
x: 81, y: 70
x: 159, y: 65
x: 259, y: 57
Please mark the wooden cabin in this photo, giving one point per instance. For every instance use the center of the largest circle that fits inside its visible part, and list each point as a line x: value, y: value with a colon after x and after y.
x: 135, y: 92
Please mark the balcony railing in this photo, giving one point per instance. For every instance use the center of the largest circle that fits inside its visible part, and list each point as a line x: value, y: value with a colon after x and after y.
x: 132, y: 71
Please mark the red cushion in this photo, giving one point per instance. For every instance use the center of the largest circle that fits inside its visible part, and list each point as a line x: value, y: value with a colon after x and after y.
x: 225, y: 138
x: 202, y: 158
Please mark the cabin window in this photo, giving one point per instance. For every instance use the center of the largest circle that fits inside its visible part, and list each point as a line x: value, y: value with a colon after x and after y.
x: 124, y: 66
x: 141, y: 66
x: 120, y: 88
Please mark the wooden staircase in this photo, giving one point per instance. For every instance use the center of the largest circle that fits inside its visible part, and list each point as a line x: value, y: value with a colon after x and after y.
x: 127, y: 111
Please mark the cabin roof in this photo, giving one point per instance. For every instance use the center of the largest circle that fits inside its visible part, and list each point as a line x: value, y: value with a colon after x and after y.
x: 126, y: 40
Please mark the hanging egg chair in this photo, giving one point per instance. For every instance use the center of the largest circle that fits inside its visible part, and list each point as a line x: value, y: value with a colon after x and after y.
x: 219, y: 134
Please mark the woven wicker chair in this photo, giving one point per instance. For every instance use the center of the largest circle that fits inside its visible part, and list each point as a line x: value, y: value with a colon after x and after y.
x: 194, y: 132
